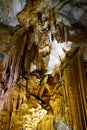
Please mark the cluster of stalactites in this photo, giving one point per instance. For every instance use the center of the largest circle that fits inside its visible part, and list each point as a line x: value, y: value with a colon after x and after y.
x: 58, y: 30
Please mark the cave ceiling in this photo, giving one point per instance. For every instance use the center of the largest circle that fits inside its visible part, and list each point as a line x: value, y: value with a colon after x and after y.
x: 72, y: 12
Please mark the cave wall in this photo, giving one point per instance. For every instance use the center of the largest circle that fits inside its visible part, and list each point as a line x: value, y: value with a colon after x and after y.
x: 48, y: 102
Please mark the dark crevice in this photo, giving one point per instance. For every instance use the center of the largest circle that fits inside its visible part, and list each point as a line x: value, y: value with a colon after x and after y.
x: 22, y: 71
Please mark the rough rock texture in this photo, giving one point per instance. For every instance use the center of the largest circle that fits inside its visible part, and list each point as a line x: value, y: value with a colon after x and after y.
x: 71, y: 11
x: 10, y: 57
x: 9, y: 10
x: 48, y: 102
x: 42, y: 79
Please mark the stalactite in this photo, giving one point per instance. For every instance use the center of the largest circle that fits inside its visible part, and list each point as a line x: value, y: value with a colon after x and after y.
x: 66, y: 34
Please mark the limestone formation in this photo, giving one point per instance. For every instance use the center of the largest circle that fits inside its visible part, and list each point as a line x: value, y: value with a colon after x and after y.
x: 42, y: 77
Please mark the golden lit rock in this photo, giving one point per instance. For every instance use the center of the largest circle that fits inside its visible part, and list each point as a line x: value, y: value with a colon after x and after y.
x: 42, y: 77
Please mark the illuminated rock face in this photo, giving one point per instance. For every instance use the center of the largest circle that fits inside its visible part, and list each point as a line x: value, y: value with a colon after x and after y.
x: 42, y: 77
x: 35, y: 102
